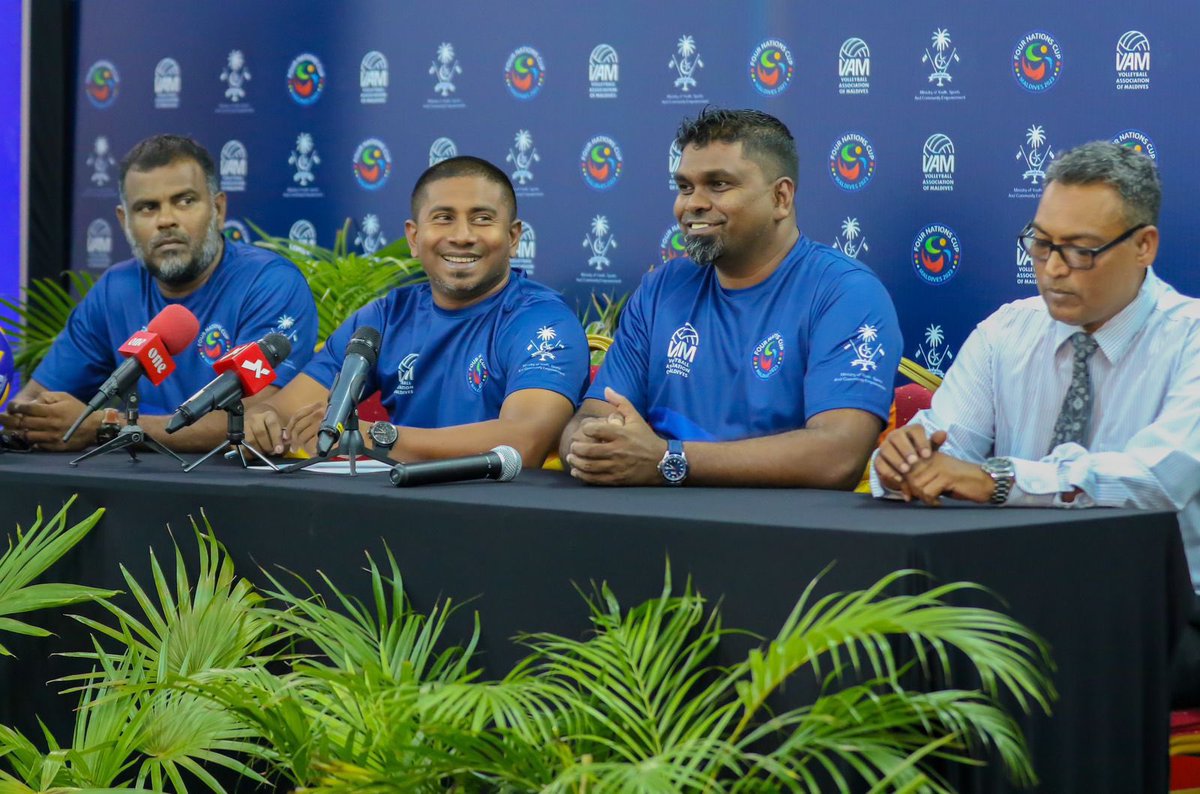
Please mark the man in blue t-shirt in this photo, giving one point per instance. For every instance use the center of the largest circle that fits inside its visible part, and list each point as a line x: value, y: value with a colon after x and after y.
x: 767, y: 359
x: 172, y: 212
x: 479, y: 356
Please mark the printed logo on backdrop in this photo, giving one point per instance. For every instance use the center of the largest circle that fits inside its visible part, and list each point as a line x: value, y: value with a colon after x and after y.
x: 603, y: 72
x: 866, y: 353
x: 674, y: 158
x: 523, y: 155
x: 306, y: 78
x: 768, y: 356
x: 601, y: 162
x: 936, y: 253
x: 1037, y: 61
x: 477, y: 373
x: 235, y: 167
x: 444, y: 68
x: 852, y: 241
x: 598, y: 241
x: 235, y: 75
x: 1138, y: 141
x: 854, y: 67
x: 373, y: 79
x: 937, y: 164
x: 771, y: 67
x: 442, y: 149
x: 1035, y: 155
x: 681, y: 350
x: 404, y: 374
x: 526, y: 249
x: 940, y: 56
x: 852, y: 162
x: 213, y: 342
x: 168, y: 83
x: 1025, y: 275
x: 1133, y: 61
x: 542, y: 350
x: 672, y: 246
x: 934, y: 351
x: 524, y: 73
x: 684, y: 63
x: 369, y: 238
x: 304, y: 159
x: 302, y: 234
x: 372, y: 164
x: 99, y: 244
x: 103, y: 166
x: 101, y: 84
x: 235, y: 231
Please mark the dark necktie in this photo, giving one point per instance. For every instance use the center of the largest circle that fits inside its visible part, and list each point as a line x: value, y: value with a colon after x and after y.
x: 1076, y: 412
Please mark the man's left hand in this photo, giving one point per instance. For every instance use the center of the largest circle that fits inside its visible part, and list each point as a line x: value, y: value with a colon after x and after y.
x: 43, y: 420
x: 618, y: 450
x: 942, y: 475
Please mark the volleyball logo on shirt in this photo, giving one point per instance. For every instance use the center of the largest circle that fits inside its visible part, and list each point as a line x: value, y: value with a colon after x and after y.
x: 404, y: 374
x: 681, y: 350
x: 852, y: 162
x: 477, y: 374
x: 1037, y: 61
x: 768, y: 356
x: 936, y: 253
x: 771, y: 67
x: 214, y: 342
x: 101, y: 84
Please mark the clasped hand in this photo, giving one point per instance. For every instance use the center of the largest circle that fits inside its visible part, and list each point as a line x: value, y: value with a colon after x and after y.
x: 42, y: 421
x: 909, y: 461
x: 267, y: 432
x: 617, y: 449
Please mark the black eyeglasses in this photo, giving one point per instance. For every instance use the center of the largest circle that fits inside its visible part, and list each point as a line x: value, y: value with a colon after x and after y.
x: 1077, y: 257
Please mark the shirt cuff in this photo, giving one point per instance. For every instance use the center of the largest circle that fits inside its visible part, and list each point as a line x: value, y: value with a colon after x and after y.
x: 878, y: 489
x: 1041, y: 484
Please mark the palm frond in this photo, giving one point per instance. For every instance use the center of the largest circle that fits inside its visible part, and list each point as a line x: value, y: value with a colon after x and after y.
x: 42, y: 316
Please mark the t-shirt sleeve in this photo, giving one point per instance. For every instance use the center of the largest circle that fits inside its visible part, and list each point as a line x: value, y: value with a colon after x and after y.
x: 83, y: 355
x: 281, y: 302
x: 854, y: 348
x: 545, y: 348
x: 627, y: 362
x: 327, y: 362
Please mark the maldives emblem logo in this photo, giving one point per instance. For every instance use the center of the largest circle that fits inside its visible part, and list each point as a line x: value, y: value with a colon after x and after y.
x: 936, y: 253
x: 1037, y: 61
x: 524, y: 73
x: 935, y: 353
x: 304, y: 159
x: 101, y: 84
x: 866, y: 351
x: 601, y: 162
x: 685, y: 62
x: 852, y: 162
x: 444, y: 69
x: 944, y: 54
x: 100, y: 161
x: 213, y: 343
x: 1036, y: 154
x: 370, y: 235
x: 598, y: 242
x: 849, y: 243
x: 477, y: 374
x: 522, y: 155
x: 771, y: 67
x: 372, y: 164
x: 235, y: 75
x: 543, y: 348
x: 235, y: 231
x: 306, y: 78
x: 442, y: 149
x: 672, y: 246
x: 768, y: 356
x: 1138, y: 141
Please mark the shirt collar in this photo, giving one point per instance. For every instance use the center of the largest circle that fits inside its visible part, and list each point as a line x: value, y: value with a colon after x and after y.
x: 1116, y: 335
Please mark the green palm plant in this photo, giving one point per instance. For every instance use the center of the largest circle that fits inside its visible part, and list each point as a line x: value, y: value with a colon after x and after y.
x: 343, y: 281
x: 38, y: 320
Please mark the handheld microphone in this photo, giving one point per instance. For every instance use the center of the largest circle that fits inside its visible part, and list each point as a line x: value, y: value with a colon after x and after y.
x: 362, y: 351
x: 245, y: 371
x: 503, y: 463
x: 146, y: 353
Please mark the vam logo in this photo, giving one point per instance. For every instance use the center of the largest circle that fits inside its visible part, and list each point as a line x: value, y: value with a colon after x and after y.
x: 235, y: 167
x: 405, y: 373
x: 1133, y: 61
x: 603, y: 72
x: 99, y: 244
x: 937, y: 163
x: 1025, y: 275
x: 168, y: 83
x: 373, y: 79
x: 302, y: 236
x: 681, y: 350
x: 854, y: 67
x: 674, y: 158
x: 442, y: 149
x: 526, y: 249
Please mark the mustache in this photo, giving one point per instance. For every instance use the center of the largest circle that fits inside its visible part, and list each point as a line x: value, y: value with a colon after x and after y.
x: 159, y: 239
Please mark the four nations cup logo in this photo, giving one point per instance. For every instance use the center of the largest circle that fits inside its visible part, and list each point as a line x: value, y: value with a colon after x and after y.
x: 601, y: 162
x: 771, y: 67
x: 852, y: 162
x: 1138, y: 141
x: 936, y: 253
x: 1037, y: 61
x: 372, y: 163
x: 524, y: 73
x: 101, y: 84
x: 306, y: 79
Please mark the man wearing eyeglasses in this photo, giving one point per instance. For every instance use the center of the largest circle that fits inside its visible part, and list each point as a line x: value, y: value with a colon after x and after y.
x: 1086, y: 396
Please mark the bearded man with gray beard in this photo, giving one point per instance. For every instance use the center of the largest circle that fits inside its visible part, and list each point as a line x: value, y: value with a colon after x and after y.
x: 172, y: 212
x: 763, y: 358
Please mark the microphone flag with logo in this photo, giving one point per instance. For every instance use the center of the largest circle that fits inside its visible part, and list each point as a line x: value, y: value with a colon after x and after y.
x: 244, y: 371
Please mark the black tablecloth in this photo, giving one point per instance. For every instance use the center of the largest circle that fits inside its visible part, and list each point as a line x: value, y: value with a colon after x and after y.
x: 1106, y: 588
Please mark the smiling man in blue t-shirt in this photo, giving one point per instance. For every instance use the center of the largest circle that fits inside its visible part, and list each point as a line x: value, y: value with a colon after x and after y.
x: 479, y: 356
x: 172, y: 213
x: 764, y: 358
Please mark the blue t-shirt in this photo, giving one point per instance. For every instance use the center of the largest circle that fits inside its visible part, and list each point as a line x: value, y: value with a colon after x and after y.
x: 440, y: 368
x: 251, y: 293
x: 705, y: 363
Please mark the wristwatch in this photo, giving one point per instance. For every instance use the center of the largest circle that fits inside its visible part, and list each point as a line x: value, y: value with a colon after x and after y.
x: 109, y: 426
x: 1003, y: 474
x: 674, y: 465
x: 384, y: 435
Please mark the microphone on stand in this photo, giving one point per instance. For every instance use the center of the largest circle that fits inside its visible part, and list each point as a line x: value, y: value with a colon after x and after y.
x: 362, y: 351
x: 244, y: 371
x: 503, y: 463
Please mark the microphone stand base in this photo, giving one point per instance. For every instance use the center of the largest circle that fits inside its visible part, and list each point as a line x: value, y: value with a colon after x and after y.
x: 236, y: 438
x: 351, y: 444
x: 128, y: 439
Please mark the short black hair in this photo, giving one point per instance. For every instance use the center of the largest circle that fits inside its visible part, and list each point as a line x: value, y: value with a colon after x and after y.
x: 464, y: 165
x: 765, y: 139
x: 160, y: 150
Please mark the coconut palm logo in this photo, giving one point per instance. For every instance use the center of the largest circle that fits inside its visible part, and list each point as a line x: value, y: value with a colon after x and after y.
x: 100, y: 161
x: 685, y: 62
x: 934, y: 352
x: 599, y: 241
x: 547, y: 342
x: 370, y: 236
x: 444, y: 69
x: 523, y: 156
x: 864, y: 347
x: 304, y: 158
x: 940, y: 59
x: 1037, y: 156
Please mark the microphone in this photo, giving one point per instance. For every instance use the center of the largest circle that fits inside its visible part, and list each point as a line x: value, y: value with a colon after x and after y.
x: 245, y: 371
x: 362, y: 351
x: 503, y: 463
x: 146, y: 353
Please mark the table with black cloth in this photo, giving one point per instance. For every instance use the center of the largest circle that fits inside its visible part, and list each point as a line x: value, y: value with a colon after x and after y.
x: 1105, y: 588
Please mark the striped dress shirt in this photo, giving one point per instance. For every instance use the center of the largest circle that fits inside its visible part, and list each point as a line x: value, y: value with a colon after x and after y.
x: 1003, y: 394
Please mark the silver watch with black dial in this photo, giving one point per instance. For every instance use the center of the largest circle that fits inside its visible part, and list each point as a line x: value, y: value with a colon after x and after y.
x: 1003, y: 474
x: 384, y: 435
